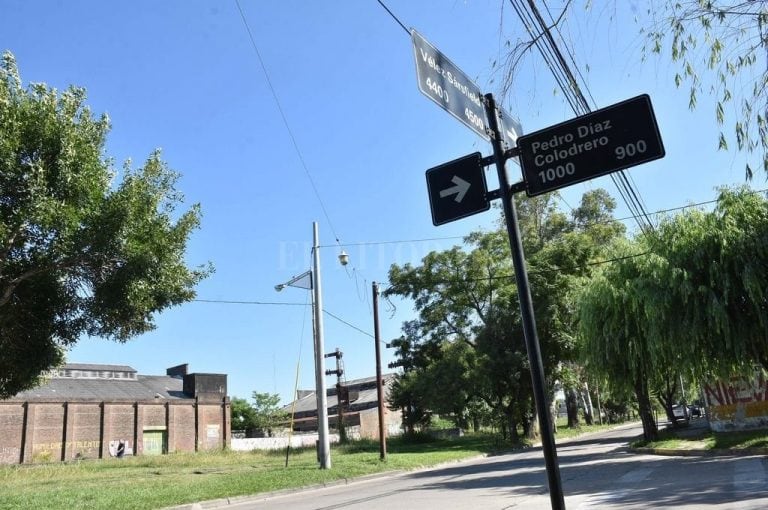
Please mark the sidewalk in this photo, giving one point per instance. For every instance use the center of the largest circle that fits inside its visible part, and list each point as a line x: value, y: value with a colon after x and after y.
x: 692, y: 447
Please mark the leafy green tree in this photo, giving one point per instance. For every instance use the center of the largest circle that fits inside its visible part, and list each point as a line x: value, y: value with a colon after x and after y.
x: 79, y: 252
x: 454, y: 291
x: 468, y: 296
x: 504, y: 373
x: 716, y: 303
x: 720, y: 48
x: 268, y: 414
x: 405, y: 393
x: 689, y: 301
x: 243, y: 415
x: 448, y: 383
x: 614, y: 310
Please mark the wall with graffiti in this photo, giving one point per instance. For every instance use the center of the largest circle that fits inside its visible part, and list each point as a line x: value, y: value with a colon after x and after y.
x: 738, y: 403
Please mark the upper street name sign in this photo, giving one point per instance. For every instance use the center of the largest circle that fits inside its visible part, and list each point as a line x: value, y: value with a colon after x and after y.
x: 448, y: 86
x: 604, y: 141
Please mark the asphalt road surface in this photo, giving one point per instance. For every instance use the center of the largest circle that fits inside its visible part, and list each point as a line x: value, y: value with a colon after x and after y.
x: 596, y: 472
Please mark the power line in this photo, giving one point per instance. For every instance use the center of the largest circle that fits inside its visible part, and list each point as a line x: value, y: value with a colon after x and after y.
x: 287, y: 125
x: 603, y: 222
x: 347, y: 323
x: 394, y: 17
x: 556, y: 25
x: 566, y: 80
x: 377, y: 243
x: 285, y: 121
x: 230, y: 302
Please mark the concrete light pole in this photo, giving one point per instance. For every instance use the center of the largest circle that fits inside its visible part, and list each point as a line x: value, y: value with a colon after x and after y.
x: 324, y: 450
x: 315, y: 283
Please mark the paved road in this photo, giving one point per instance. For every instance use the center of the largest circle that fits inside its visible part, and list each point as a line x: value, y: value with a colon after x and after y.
x: 597, y: 472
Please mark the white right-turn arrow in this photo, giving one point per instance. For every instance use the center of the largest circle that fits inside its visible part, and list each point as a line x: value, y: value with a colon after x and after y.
x: 459, y: 190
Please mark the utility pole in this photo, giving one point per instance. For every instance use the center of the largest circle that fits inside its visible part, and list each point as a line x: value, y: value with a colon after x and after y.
x: 340, y: 396
x: 324, y: 444
x: 379, y: 383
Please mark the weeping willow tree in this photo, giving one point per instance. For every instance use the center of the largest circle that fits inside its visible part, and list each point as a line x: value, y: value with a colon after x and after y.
x: 616, y: 312
x: 691, y: 299
x: 717, y: 304
x: 720, y: 47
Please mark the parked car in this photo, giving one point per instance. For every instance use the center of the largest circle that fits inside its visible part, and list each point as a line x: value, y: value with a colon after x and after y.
x: 678, y: 410
x: 694, y: 411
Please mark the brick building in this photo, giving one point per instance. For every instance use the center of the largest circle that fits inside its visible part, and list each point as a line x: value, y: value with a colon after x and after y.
x: 94, y: 411
x: 360, y: 408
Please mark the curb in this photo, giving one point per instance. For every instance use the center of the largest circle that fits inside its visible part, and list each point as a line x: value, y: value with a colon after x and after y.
x: 248, y: 498
x: 262, y: 496
x: 698, y: 452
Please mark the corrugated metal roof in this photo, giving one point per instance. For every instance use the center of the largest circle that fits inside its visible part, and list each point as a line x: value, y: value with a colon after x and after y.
x: 144, y: 387
x: 95, y: 366
x: 364, y: 398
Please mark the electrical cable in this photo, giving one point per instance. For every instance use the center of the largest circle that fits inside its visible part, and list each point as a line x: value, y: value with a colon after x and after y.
x: 229, y: 302
x: 347, y: 323
x: 377, y: 243
x: 562, y: 73
x: 285, y: 121
x: 394, y: 17
x: 556, y: 25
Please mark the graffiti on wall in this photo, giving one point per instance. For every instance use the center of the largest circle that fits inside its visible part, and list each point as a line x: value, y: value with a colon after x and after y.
x: 738, y: 403
x: 120, y: 448
x: 71, y: 445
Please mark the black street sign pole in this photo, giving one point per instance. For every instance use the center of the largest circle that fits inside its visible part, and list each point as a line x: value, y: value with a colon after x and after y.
x: 526, y: 310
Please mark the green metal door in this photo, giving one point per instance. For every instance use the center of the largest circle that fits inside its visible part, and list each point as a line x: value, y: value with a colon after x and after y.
x: 154, y: 442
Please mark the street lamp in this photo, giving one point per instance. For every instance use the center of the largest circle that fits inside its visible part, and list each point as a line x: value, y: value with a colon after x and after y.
x: 311, y: 280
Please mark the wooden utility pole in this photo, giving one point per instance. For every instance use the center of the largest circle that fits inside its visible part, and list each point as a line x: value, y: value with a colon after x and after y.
x: 379, y: 383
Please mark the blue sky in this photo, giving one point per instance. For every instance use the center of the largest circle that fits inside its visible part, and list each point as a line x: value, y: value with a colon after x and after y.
x: 184, y: 76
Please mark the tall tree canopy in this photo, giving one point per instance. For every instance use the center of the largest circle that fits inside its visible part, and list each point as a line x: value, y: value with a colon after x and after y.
x: 688, y: 299
x: 717, y: 304
x: 467, y: 296
x: 615, y: 307
x: 79, y: 253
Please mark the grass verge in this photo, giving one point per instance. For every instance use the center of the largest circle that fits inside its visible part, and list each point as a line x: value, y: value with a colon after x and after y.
x: 155, y: 482
x: 705, y: 439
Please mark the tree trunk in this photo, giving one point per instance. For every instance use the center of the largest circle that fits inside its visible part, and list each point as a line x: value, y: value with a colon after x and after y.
x: 532, y: 432
x: 572, y: 406
x: 666, y: 399
x: 650, y: 431
x: 587, y: 402
x: 509, y: 412
x: 553, y: 415
x: 409, y: 422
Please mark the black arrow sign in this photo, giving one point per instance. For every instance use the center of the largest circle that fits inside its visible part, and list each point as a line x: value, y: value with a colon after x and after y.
x: 457, y: 189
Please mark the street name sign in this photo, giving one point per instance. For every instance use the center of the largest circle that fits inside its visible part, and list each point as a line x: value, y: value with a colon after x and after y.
x: 620, y: 136
x: 457, y: 189
x: 447, y: 85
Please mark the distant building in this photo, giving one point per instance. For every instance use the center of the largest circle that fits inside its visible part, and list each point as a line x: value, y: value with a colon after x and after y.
x: 98, y: 411
x: 360, y: 408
